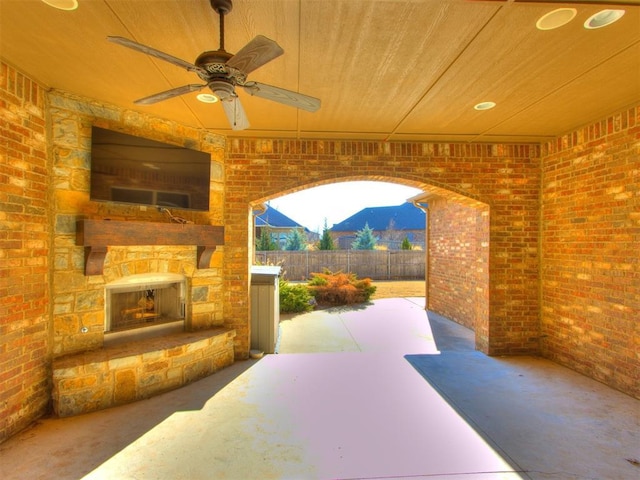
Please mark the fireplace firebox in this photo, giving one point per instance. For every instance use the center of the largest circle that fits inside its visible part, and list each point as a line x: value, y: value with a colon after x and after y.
x: 144, y: 300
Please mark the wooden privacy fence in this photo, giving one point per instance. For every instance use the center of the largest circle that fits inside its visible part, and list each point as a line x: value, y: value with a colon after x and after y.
x: 375, y: 264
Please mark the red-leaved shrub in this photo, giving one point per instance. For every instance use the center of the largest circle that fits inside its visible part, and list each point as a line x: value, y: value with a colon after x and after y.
x: 337, y: 288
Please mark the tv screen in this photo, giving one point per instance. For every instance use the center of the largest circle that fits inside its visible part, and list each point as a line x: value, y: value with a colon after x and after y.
x: 130, y: 169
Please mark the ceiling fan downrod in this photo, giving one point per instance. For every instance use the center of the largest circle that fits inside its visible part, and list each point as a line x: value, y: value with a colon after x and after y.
x: 221, y: 7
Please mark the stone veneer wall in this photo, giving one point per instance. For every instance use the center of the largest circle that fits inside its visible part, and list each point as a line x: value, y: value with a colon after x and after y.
x: 78, y: 300
x: 116, y: 375
x: 505, y: 177
x: 590, y: 239
x: 25, y: 350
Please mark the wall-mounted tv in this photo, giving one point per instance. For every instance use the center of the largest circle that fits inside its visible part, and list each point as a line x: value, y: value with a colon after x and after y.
x: 130, y: 169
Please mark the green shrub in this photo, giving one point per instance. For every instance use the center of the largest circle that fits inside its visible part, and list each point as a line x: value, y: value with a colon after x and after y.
x: 294, y: 298
x: 339, y: 288
x: 318, y: 280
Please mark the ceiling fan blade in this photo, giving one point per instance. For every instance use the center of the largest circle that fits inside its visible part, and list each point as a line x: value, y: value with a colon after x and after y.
x: 235, y: 113
x: 621, y: 3
x: 280, y: 95
x: 125, y: 42
x: 174, y: 92
x: 254, y: 54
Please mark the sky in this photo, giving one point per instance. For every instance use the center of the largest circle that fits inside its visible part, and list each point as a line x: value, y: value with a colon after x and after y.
x: 338, y: 201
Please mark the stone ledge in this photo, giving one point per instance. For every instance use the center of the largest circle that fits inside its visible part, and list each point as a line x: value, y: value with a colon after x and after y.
x: 132, y: 371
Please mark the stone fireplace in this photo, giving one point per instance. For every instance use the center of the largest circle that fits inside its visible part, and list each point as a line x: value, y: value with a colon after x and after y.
x: 144, y: 300
x: 124, y: 257
x: 147, y: 316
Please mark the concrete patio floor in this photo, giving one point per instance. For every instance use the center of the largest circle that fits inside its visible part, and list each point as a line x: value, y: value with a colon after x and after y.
x: 381, y: 391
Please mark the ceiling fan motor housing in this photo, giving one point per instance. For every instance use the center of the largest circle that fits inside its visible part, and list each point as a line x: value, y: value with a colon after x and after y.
x: 214, y: 63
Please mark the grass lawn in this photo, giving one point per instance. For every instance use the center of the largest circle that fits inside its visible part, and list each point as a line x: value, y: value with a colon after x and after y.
x: 400, y: 288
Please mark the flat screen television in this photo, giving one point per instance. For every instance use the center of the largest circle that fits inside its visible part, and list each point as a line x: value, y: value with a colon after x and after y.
x: 130, y: 169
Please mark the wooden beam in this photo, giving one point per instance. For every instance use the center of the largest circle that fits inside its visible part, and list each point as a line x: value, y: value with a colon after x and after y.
x: 97, y: 235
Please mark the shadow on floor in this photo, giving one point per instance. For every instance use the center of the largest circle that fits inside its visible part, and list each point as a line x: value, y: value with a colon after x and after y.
x: 71, y: 452
x: 547, y: 421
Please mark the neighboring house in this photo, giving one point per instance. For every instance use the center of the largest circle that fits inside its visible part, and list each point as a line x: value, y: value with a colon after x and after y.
x: 390, y: 226
x: 280, y: 226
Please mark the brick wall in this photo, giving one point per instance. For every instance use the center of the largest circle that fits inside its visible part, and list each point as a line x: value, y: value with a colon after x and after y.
x: 458, y: 255
x: 591, y: 250
x: 506, y: 177
x: 24, y: 251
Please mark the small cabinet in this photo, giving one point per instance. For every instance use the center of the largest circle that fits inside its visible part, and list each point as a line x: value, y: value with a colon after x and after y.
x: 265, y: 307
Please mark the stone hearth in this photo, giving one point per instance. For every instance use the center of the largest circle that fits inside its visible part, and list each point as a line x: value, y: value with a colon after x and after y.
x: 133, y: 371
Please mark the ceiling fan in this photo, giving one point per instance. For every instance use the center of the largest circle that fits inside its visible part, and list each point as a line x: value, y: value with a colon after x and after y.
x: 222, y: 72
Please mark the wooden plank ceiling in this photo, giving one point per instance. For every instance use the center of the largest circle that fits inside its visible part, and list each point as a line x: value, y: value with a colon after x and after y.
x: 384, y: 69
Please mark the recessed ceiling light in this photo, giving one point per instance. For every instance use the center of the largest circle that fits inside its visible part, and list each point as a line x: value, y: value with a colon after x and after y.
x: 207, y: 98
x: 485, y: 105
x: 62, y: 4
x: 556, y: 18
x: 603, y: 18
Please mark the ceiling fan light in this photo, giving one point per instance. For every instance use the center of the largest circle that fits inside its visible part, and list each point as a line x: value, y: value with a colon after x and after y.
x: 485, y: 106
x: 62, y: 4
x: 207, y: 98
x: 556, y: 18
x: 222, y: 89
x: 603, y: 18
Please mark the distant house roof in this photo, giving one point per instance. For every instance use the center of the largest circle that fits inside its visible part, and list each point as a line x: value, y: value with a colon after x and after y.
x: 404, y: 217
x: 273, y: 218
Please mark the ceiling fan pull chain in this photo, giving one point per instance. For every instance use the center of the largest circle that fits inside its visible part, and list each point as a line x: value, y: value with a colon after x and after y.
x: 235, y: 113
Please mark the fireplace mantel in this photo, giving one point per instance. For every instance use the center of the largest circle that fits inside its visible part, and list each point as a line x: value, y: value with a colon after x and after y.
x: 97, y: 235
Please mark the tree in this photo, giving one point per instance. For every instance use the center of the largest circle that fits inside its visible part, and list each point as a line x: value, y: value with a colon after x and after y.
x: 406, y: 244
x: 364, y: 239
x: 392, y: 236
x: 326, y: 241
x: 296, y: 240
x: 265, y: 242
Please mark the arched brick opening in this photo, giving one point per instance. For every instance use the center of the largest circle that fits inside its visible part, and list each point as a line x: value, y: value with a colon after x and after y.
x: 457, y: 251
x: 499, y: 182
